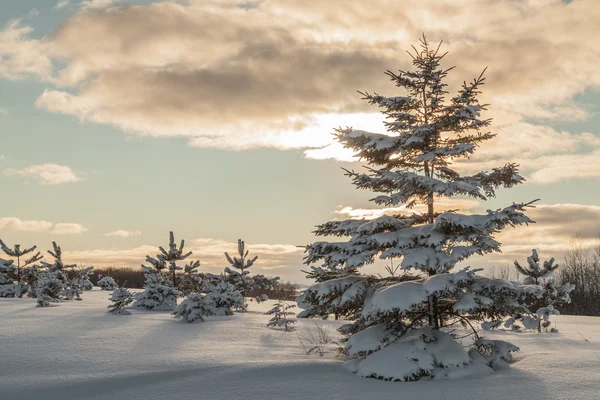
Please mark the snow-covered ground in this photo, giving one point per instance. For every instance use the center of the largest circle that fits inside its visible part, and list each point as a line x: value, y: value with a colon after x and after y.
x: 78, y: 351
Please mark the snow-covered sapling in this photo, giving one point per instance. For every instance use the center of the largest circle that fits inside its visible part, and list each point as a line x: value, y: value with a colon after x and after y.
x: 169, y: 258
x: 121, y: 297
x: 49, y: 289
x: 225, y: 297
x: 107, y: 283
x: 240, y: 267
x: 541, y: 308
x: 158, y: 294
x: 281, y: 315
x: 58, y: 267
x: 396, y: 334
x: 21, y: 286
x: 195, y: 307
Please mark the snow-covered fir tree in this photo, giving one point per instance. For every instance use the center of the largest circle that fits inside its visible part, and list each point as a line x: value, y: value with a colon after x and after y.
x: 58, y: 267
x: 190, y: 280
x: 158, y: 294
x: 160, y: 291
x: 397, y: 331
x: 20, y: 285
x: 195, y: 307
x: 107, y: 283
x: 541, y: 308
x: 7, y: 285
x: 281, y: 315
x: 239, y: 267
x: 49, y: 288
x: 53, y: 282
x: 82, y: 279
x: 121, y: 297
x: 168, y: 259
x: 225, y: 297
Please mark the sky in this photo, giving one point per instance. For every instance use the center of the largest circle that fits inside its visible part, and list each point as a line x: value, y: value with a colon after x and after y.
x: 123, y: 120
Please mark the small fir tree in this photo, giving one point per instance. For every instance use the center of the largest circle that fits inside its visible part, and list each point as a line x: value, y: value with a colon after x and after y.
x: 49, y: 289
x: 541, y: 308
x: 22, y: 286
x: 195, y: 307
x: 281, y: 313
x: 107, y: 283
x: 82, y: 279
x: 7, y: 285
x: 58, y: 267
x: 240, y: 265
x: 225, y: 297
x: 121, y: 297
x: 168, y: 259
x: 411, y: 164
x: 158, y: 294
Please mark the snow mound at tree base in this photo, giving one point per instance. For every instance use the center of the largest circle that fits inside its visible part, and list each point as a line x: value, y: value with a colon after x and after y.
x: 433, y: 354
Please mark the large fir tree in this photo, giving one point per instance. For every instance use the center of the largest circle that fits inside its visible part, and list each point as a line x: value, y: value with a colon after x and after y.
x: 411, y: 164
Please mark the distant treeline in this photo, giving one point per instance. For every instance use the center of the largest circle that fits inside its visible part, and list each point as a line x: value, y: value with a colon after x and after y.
x: 134, y: 279
x: 582, y: 268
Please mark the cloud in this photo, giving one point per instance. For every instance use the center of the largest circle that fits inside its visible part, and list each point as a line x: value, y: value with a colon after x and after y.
x: 17, y: 224
x: 41, y: 226
x: 123, y: 233
x: 86, y: 4
x: 46, y: 174
x: 4, y: 112
x: 68, y: 229
x: 441, y: 204
x: 283, y: 73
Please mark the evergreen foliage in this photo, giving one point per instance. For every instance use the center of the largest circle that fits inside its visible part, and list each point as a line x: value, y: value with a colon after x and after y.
x: 158, y: 294
x: 15, y: 274
x: 239, y: 273
x: 107, y: 283
x: 281, y: 313
x: 195, y: 307
x: 411, y: 165
x: 539, y: 310
x: 121, y: 297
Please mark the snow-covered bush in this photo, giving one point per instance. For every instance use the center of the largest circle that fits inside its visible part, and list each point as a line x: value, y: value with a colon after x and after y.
x: 281, y: 313
x: 225, y: 298
x: 107, y: 283
x: 15, y: 282
x: 195, y: 307
x: 261, y: 298
x: 121, y: 297
x: 82, y: 280
x: 49, y: 289
x: 539, y: 310
x: 401, y: 328
x: 158, y: 294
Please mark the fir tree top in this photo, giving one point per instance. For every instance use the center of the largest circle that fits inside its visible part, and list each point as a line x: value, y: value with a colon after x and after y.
x: 240, y: 262
x: 411, y: 164
x: 58, y: 264
x: 533, y: 271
